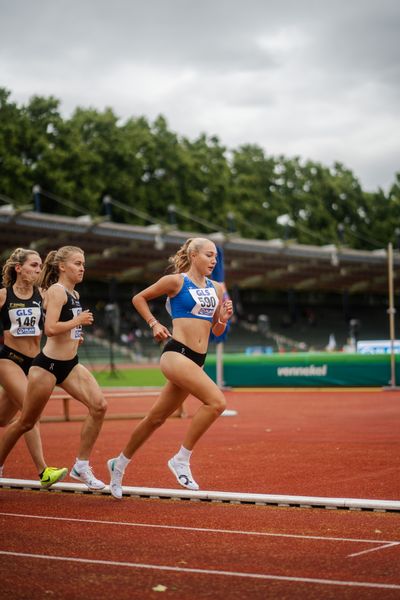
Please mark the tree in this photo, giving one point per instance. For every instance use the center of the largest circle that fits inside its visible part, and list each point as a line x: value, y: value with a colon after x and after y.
x: 145, y: 167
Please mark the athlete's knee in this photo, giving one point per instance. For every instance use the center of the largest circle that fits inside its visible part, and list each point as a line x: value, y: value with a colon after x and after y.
x: 99, y: 408
x: 155, y: 420
x: 24, y: 425
x: 218, y: 403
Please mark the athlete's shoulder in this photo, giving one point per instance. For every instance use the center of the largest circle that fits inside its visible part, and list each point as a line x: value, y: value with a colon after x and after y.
x: 172, y: 282
x: 56, y: 292
x: 169, y: 285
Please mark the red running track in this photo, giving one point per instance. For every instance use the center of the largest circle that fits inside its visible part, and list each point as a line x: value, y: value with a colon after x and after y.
x: 335, y: 444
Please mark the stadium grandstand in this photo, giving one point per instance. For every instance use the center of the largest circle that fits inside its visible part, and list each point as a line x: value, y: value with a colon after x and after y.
x: 287, y: 296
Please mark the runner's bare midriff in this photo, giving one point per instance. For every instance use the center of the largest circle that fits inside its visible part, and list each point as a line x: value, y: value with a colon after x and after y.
x: 27, y: 345
x: 61, y: 347
x: 192, y: 332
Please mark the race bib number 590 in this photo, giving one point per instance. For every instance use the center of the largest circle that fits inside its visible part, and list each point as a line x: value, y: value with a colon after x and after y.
x: 206, y: 301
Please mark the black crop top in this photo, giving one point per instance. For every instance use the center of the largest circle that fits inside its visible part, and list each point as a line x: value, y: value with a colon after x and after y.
x: 22, y: 317
x: 71, y: 309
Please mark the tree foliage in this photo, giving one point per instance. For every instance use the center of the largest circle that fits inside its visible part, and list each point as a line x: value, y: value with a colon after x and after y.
x: 147, y: 169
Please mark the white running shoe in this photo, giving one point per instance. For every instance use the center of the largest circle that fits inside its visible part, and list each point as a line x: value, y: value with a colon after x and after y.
x: 183, y: 474
x: 229, y: 413
x: 86, y: 476
x: 116, y: 479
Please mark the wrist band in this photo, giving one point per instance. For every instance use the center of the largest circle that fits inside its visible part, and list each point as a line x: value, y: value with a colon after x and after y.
x: 152, y: 322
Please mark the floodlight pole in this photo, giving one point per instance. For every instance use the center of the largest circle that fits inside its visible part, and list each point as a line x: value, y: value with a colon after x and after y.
x: 391, y: 312
x: 220, y: 365
x: 113, y: 370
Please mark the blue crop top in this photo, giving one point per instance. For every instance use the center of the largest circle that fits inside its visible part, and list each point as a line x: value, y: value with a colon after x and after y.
x: 192, y: 302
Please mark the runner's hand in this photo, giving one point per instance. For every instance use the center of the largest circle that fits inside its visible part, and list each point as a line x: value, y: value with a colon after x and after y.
x: 160, y: 332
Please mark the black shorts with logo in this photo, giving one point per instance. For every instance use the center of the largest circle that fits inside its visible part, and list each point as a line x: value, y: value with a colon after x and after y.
x: 18, y: 358
x: 175, y: 346
x: 59, y: 368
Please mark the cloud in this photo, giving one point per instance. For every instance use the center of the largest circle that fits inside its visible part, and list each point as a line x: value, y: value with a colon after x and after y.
x: 315, y: 79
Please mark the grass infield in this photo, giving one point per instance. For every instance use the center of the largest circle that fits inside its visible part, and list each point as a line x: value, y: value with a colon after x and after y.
x: 130, y: 377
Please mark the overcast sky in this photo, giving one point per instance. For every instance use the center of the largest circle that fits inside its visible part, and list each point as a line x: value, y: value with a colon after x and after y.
x: 316, y: 79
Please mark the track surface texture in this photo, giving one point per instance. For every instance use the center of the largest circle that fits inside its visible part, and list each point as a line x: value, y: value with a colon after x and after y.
x: 56, y: 544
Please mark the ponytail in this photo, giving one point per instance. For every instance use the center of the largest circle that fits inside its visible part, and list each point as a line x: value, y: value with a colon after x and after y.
x: 181, y: 261
x: 51, y: 272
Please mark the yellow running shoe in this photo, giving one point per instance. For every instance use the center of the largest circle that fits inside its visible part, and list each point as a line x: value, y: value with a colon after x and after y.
x: 51, y: 475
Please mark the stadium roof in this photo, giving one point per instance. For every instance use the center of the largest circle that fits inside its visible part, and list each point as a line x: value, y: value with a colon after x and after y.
x: 131, y: 253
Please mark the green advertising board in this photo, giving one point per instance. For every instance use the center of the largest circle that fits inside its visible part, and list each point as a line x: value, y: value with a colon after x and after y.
x: 305, y: 369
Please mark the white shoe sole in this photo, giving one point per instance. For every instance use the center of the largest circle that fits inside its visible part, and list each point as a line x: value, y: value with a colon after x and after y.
x: 95, y: 488
x: 191, y: 486
x: 114, y: 495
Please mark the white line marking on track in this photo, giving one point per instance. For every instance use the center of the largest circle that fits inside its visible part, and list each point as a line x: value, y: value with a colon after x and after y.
x: 389, y: 545
x: 111, y: 563
x: 204, y: 529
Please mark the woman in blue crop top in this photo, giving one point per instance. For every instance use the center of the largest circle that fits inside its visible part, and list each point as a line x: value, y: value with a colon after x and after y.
x: 21, y: 315
x: 58, y: 362
x: 197, y: 308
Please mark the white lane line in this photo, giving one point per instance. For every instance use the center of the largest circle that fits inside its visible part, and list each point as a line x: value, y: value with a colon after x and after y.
x: 389, y: 545
x: 112, y: 563
x: 201, y: 529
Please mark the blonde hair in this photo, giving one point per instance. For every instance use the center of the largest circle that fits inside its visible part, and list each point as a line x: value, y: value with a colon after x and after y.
x: 18, y: 257
x: 50, y: 272
x: 181, y: 261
